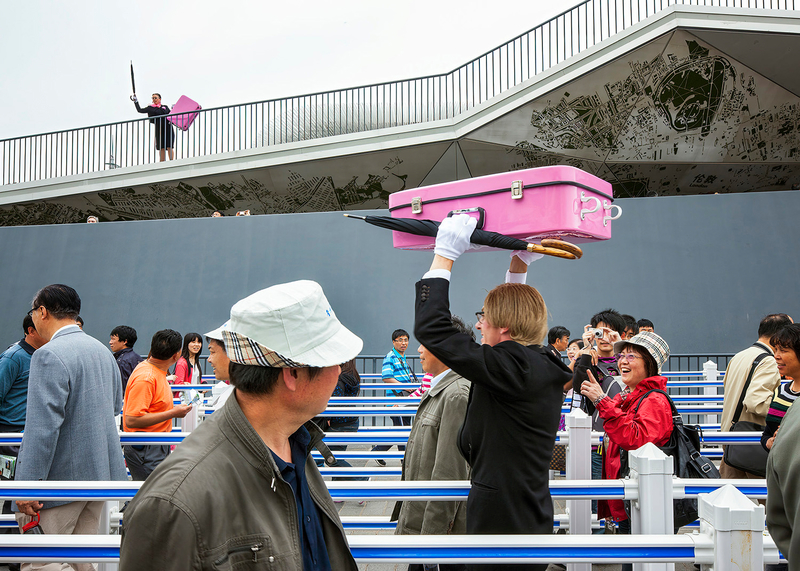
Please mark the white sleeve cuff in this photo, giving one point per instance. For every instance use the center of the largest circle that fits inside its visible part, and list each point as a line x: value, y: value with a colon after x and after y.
x: 516, y: 278
x: 437, y: 274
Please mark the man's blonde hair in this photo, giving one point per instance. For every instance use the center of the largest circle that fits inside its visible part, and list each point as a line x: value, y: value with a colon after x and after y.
x: 521, y: 309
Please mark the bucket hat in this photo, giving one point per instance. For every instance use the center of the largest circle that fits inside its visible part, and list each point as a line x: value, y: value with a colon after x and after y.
x: 650, y: 342
x: 288, y: 325
x: 216, y: 334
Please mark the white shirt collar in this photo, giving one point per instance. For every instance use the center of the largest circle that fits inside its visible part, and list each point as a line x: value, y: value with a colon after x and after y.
x: 62, y: 328
x: 438, y: 377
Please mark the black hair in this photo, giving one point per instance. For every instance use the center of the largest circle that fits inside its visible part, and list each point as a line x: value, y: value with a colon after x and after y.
x: 165, y: 344
x: 645, y: 323
x: 650, y: 365
x: 79, y: 321
x: 127, y: 335
x: 578, y: 341
x: 60, y: 300
x: 399, y: 333
x: 630, y: 323
x: 788, y: 338
x: 27, y: 323
x: 462, y: 327
x: 610, y: 317
x: 772, y: 324
x: 188, y: 338
x: 257, y: 380
x: 556, y: 333
x: 210, y: 340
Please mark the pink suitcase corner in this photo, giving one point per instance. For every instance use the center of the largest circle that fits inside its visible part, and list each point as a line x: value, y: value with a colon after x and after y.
x: 183, y: 105
x: 546, y: 202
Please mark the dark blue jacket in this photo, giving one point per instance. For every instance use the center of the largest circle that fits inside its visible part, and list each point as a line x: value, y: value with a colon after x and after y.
x: 15, y: 364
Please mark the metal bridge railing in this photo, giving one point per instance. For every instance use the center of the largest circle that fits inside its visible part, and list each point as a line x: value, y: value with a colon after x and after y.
x: 351, y: 110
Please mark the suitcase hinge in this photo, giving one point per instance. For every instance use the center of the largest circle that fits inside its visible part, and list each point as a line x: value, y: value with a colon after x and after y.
x: 416, y: 205
x: 516, y: 190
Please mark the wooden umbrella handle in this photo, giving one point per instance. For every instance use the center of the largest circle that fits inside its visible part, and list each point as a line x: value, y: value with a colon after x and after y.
x: 562, y: 245
x: 551, y: 252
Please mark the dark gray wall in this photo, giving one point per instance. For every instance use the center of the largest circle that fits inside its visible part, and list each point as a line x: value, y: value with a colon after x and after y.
x: 705, y: 269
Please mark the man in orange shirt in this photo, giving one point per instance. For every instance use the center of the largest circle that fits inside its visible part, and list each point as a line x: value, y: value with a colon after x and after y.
x: 148, y: 403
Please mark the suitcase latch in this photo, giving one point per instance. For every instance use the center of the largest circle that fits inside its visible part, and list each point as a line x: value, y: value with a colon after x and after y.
x: 516, y: 190
x: 416, y: 205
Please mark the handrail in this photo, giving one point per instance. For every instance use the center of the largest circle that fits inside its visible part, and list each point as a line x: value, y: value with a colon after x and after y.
x: 348, y: 110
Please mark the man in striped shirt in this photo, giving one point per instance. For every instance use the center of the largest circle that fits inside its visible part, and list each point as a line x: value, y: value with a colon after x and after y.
x: 396, y: 370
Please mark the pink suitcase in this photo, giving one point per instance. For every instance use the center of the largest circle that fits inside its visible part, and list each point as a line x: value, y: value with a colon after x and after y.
x: 547, y: 202
x: 184, y: 104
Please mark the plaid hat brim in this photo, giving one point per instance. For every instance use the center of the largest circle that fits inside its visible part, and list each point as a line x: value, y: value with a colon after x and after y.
x: 245, y: 351
x: 651, y: 342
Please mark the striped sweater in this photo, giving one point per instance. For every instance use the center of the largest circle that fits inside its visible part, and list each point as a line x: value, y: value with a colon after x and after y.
x: 781, y: 401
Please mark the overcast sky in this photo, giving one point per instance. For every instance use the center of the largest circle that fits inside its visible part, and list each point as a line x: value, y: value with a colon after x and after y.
x: 66, y: 64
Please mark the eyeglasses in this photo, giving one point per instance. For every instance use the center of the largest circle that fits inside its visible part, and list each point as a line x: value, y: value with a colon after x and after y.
x: 401, y: 340
x: 629, y: 357
x: 30, y: 313
x: 481, y: 315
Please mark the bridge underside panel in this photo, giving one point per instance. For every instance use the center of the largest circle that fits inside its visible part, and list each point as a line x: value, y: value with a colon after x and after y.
x: 357, y: 182
x: 674, y: 116
x: 692, y: 111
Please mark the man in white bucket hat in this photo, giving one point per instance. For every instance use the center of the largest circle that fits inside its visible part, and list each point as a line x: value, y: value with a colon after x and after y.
x: 243, y: 486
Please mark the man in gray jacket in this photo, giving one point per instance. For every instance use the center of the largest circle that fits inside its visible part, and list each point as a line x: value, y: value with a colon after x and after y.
x: 432, y: 453
x: 74, y: 393
x: 242, y: 491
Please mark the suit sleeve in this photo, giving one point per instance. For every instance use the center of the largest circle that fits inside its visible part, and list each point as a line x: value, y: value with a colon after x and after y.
x: 651, y: 423
x: 759, y: 395
x: 158, y: 534
x: 448, y: 463
x: 47, y: 401
x: 498, y: 369
x: 778, y: 524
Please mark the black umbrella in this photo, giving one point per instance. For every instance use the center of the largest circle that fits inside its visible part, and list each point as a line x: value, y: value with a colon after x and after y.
x: 425, y: 227
x: 133, y: 81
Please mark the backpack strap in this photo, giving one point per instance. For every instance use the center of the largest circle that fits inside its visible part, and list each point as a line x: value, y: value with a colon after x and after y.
x: 740, y: 406
x: 671, y: 404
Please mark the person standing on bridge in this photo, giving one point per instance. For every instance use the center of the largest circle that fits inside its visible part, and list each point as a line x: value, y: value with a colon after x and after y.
x: 165, y: 135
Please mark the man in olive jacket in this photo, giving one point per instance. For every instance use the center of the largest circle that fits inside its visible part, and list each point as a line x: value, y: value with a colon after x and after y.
x: 242, y: 491
x: 432, y: 452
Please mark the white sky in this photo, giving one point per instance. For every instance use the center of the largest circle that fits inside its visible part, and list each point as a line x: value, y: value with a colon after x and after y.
x: 66, y: 64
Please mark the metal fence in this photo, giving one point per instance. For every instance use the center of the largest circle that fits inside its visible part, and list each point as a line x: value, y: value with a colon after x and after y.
x: 357, y: 109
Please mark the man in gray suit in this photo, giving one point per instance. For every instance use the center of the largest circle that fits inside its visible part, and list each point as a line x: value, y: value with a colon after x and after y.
x: 74, y: 393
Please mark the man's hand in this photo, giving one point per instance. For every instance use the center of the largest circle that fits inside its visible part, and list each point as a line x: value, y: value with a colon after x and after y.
x: 181, y: 410
x: 30, y: 507
x: 453, y: 236
x: 134, y: 99
x: 591, y: 389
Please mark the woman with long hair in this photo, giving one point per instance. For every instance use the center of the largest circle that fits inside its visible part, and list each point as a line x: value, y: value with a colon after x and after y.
x: 187, y: 369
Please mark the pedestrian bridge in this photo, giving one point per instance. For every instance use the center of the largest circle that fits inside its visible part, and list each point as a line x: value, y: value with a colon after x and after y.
x: 659, y: 98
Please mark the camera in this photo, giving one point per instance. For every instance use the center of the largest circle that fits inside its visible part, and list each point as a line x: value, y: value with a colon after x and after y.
x: 597, y: 333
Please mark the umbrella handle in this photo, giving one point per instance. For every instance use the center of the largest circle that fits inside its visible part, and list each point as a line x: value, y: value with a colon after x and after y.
x: 551, y: 252
x: 561, y: 245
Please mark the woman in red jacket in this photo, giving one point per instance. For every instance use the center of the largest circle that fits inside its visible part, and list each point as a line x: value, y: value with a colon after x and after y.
x: 627, y: 427
x: 187, y: 369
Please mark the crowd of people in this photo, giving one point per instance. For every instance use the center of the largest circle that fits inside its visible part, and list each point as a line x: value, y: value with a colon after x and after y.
x: 243, y: 485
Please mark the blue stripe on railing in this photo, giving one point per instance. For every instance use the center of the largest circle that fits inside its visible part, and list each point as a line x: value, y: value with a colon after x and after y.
x: 337, y: 493
x: 577, y: 492
x: 54, y: 494
x: 66, y: 553
x: 547, y: 553
x: 746, y: 490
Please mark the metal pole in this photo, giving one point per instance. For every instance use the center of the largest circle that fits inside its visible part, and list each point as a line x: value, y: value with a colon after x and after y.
x: 579, y: 467
x: 736, y: 525
x: 651, y: 513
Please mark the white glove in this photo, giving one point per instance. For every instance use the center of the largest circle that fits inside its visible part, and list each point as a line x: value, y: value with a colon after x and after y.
x: 453, y: 236
x: 134, y: 98
x: 527, y: 256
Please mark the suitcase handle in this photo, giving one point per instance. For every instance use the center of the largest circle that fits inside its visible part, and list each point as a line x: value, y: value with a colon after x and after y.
x: 585, y: 211
x: 481, y: 215
x: 608, y: 206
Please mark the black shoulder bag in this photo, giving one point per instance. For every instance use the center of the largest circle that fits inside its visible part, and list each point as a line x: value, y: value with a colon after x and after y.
x: 747, y: 458
x: 684, y: 447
